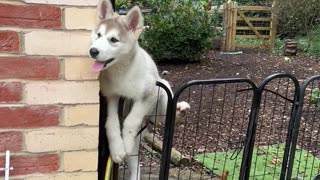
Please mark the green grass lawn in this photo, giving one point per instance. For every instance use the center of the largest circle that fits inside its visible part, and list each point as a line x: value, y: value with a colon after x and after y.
x: 262, y: 163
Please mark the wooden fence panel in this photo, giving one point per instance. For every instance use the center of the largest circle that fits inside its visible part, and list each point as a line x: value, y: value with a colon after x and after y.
x: 252, y: 29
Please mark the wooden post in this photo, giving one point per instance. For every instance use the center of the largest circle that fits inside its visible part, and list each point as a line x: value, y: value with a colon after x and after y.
x: 226, y: 45
x: 230, y: 24
x: 273, y: 31
x: 229, y: 30
x: 234, y: 10
x: 225, y: 27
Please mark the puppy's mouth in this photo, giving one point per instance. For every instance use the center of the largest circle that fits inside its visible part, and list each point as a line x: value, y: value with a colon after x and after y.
x: 99, y: 66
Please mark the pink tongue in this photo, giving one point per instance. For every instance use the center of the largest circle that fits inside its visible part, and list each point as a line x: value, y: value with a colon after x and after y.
x: 97, y: 66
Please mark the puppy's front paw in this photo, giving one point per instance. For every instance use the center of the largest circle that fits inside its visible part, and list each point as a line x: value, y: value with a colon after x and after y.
x: 129, y: 142
x: 117, y: 151
x: 182, y: 107
x: 118, y: 157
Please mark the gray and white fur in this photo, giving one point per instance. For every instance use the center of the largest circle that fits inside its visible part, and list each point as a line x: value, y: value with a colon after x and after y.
x: 126, y: 70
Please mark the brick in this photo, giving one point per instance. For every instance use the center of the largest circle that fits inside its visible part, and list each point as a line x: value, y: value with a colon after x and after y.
x: 29, y: 116
x: 79, y: 69
x: 29, y: 68
x: 30, y: 16
x: 76, y: 18
x: 9, y: 42
x: 81, y: 115
x: 61, y: 139
x: 57, y: 43
x: 66, y: 176
x: 10, y: 140
x: 64, y: 92
x: 24, y: 165
x: 10, y: 92
x: 87, y: 162
x: 65, y: 2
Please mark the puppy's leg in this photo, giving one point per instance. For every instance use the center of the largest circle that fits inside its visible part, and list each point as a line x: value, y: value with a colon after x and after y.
x: 132, y: 123
x: 116, y: 144
x: 133, y: 161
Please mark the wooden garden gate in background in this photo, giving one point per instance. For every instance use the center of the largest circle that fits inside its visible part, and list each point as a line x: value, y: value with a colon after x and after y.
x: 245, y: 23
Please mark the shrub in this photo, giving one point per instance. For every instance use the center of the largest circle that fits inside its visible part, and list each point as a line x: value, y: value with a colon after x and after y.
x: 125, y: 4
x: 314, y: 47
x: 297, y: 16
x: 122, y: 4
x: 311, y: 46
x: 179, y: 29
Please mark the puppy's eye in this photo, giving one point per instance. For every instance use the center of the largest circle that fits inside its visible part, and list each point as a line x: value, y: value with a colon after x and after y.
x: 99, y: 35
x: 114, y: 40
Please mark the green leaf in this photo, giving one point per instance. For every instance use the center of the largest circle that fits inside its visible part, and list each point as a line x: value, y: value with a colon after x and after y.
x: 315, y: 94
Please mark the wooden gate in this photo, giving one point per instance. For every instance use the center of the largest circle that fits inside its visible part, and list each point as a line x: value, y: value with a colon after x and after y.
x: 248, y: 26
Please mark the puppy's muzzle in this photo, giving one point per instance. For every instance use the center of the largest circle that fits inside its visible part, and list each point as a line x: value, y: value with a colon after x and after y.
x: 94, y: 52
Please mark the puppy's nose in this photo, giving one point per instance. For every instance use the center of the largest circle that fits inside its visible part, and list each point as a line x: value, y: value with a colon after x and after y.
x: 94, y: 52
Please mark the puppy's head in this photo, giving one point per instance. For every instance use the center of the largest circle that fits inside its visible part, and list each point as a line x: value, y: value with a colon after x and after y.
x: 114, y: 35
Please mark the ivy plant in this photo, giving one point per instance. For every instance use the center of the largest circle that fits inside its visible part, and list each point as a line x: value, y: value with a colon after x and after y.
x: 315, y: 97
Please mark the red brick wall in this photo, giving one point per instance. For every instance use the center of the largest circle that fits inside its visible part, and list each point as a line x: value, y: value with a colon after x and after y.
x: 37, y: 74
x: 25, y: 67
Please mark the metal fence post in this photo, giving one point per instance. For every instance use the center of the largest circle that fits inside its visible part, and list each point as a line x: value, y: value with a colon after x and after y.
x: 167, y: 139
x: 295, y: 131
x: 251, y: 132
x: 290, y: 137
x: 248, y: 150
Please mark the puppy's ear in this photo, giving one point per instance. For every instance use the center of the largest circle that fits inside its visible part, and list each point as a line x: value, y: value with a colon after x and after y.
x: 104, y: 9
x: 134, y: 19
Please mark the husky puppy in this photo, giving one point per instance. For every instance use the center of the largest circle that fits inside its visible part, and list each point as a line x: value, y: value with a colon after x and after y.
x: 126, y: 70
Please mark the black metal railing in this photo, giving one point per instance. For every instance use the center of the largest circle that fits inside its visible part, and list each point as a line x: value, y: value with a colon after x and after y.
x: 237, y: 129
